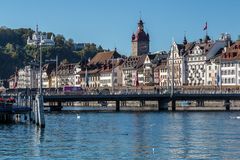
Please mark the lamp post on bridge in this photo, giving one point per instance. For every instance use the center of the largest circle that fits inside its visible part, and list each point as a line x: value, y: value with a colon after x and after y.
x: 39, y: 111
x: 172, y: 85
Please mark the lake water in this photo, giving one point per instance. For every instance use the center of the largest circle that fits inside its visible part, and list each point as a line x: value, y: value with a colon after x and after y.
x: 166, y: 135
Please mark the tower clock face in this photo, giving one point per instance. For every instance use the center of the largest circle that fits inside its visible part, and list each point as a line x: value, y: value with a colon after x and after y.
x: 143, y: 46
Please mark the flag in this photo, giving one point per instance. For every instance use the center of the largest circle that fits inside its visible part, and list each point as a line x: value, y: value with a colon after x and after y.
x: 136, y: 79
x: 86, y: 78
x: 205, y: 27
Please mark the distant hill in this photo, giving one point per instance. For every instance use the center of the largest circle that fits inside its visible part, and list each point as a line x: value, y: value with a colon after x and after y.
x: 14, y: 51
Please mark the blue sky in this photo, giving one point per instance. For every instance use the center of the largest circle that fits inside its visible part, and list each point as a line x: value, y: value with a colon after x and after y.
x: 110, y: 23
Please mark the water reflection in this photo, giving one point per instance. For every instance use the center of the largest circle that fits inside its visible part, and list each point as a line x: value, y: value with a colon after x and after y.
x: 38, y: 139
x: 125, y: 136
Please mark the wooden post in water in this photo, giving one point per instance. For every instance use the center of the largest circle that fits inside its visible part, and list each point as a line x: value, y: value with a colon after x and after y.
x: 117, y: 106
x: 162, y: 105
x: 227, y: 104
x: 173, y: 105
x: 34, y: 112
x: 40, y: 111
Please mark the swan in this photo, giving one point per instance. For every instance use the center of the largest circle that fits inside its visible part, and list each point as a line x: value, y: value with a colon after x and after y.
x: 78, y: 116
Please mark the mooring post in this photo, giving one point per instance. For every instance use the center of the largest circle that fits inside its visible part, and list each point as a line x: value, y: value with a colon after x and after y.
x: 31, y: 106
x: 40, y: 111
x: 117, y: 106
x: 162, y: 105
x: 227, y: 104
x: 35, y: 111
x: 159, y: 105
x: 173, y: 105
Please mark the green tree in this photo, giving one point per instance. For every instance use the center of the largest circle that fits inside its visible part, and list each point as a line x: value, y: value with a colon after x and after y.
x: 59, y: 40
x: 10, y: 50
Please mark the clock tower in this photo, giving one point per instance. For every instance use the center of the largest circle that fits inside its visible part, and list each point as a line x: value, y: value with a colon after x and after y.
x: 140, y: 41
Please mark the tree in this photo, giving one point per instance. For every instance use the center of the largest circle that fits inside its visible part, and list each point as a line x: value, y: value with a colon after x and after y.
x: 14, y: 51
x: 10, y: 50
x: 59, y: 40
x: 100, y: 49
x: 70, y: 44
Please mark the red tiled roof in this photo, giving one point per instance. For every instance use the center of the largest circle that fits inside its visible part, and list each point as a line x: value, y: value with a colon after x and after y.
x: 103, y: 57
x: 134, y: 62
x: 232, y: 53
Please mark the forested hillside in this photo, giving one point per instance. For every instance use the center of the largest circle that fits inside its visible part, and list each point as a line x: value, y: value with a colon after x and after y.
x: 14, y: 51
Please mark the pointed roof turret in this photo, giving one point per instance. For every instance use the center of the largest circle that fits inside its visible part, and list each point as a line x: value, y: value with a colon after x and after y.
x: 184, y: 40
x: 133, y: 36
x: 140, y: 25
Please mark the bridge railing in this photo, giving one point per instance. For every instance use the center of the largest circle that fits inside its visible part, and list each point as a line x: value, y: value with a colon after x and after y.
x: 129, y: 92
x: 140, y: 91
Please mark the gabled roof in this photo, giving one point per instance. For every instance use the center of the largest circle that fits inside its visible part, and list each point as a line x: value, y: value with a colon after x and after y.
x: 134, y: 62
x: 158, y: 57
x: 216, y: 48
x: 103, y: 57
x: 66, y: 68
x: 232, y: 53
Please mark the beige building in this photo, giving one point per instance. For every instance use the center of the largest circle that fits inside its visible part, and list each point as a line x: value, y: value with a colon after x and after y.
x: 137, y: 70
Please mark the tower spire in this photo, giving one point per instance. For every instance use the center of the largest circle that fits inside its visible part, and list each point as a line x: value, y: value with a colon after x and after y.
x: 140, y: 25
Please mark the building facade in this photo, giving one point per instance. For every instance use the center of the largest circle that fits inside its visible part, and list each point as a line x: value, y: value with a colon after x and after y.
x: 230, y: 65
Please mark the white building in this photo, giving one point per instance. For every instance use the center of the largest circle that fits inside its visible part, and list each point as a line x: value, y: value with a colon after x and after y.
x: 196, y: 64
x: 203, y: 69
x: 40, y: 39
x: 110, y: 75
x: 230, y: 65
x: 27, y: 77
x: 177, y: 61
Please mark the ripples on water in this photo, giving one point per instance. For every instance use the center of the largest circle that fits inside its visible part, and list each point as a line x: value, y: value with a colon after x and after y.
x: 180, y: 135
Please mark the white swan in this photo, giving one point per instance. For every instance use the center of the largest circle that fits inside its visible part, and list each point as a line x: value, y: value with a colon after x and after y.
x: 78, y: 116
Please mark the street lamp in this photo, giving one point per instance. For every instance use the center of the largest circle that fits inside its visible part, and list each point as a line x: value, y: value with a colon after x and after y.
x: 112, y: 76
x: 40, y: 68
x: 56, y: 78
x: 172, y: 86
